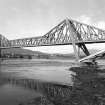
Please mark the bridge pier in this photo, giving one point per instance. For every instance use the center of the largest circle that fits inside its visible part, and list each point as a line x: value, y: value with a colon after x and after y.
x: 84, y: 48
x: 0, y: 53
x: 74, y: 35
x: 0, y: 48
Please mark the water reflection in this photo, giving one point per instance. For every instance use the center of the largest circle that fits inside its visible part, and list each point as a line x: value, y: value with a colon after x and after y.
x: 53, y: 93
x: 88, y: 82
x: 12, y: 95
x: 50, y: 71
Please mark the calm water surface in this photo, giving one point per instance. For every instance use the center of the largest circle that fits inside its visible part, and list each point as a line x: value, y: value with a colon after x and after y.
x: 54, y: 71
x: 13, y: 95
x: 47, y: 70
x: 38, y: 69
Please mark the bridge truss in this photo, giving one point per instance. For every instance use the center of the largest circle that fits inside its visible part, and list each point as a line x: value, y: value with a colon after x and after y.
x: 68, y: 32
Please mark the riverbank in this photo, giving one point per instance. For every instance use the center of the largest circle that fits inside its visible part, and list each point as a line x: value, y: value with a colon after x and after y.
x: 89, y: 86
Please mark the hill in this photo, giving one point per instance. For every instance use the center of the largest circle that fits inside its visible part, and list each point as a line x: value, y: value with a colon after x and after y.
x: 20, y: 51
x: 37, y: 54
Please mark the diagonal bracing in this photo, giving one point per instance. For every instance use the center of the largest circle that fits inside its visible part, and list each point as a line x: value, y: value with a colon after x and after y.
x: 68, y: 32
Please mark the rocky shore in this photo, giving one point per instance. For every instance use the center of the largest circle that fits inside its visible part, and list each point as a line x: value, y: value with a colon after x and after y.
x: 89, y: 86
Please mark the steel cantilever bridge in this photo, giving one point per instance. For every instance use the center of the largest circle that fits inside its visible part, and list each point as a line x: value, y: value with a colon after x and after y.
x: 68, y: 32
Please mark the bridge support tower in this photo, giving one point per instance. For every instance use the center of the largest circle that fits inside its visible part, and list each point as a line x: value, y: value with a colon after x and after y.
x: 74, y: 35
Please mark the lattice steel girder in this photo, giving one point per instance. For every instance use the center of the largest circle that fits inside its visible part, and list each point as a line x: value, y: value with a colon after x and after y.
x: 60, y: 35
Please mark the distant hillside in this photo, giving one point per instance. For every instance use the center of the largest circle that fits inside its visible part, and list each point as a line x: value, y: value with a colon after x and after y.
x: 20, y: 51
x: 38, y: 54
x: 23, y: 53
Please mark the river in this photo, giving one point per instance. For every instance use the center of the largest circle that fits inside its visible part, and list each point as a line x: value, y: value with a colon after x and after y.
x: 54, y: 71
x: 15, y: 87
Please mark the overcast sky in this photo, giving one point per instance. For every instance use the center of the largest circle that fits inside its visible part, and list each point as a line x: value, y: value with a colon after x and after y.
x: 30, y: 18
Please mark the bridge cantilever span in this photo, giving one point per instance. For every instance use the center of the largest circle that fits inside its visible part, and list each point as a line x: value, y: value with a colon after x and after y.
x: 65, y: 33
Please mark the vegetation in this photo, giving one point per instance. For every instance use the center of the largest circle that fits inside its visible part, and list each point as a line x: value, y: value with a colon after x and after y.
x: 29, y: 54
x: 18, y: 53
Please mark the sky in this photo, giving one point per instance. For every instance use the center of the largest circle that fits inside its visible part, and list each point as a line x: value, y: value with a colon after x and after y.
x: 30, y: 18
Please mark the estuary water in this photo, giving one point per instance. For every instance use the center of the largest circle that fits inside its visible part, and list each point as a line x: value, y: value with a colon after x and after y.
x: 52, y: 71
x: 23, y: 79
x: 13, y: 95
x: 41, y: 69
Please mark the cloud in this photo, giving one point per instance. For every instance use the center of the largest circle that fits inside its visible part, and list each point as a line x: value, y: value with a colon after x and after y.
x: 90, y: 21
x: 85, y: 19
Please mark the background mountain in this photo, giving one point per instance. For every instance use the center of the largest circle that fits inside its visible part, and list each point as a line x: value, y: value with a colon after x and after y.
x: 20, y: 51
x: 37, y: 54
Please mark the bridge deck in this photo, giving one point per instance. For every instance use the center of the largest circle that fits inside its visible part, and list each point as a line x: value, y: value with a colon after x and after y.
x: 85, y: 42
